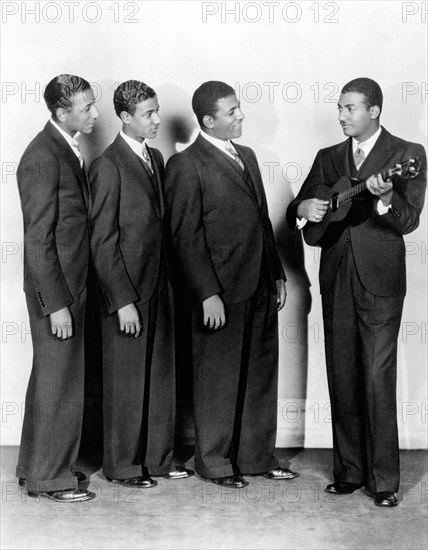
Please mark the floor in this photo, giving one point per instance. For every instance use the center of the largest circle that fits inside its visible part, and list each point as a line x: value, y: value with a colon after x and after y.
x: 196, y: 514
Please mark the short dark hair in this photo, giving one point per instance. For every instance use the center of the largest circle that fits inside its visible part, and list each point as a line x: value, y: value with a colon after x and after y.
x: 205, y: 98
x: 60, y: 91
x: 128, y: 94
x: 369, y: 88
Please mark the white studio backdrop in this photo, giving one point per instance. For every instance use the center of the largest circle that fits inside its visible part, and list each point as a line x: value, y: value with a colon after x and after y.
x: 287, y: 61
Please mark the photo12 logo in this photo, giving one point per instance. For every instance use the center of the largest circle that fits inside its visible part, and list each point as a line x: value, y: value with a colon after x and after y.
x: 254, y: 12
x: 70, y: 12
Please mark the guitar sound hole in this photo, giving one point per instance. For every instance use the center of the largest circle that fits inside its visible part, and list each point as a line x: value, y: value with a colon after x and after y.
x: 334, y: 202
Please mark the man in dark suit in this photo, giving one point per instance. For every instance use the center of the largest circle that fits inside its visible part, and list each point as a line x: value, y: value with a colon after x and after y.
x: 363, y: 284
x: 138, y: 336
x: 224, y: 253
x: 55, y: 202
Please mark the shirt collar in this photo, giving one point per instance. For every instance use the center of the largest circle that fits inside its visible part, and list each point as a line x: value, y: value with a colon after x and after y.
x: 70, y: 140
x: 219, y: 143
x: 135, y: 145
x: 368, y: 144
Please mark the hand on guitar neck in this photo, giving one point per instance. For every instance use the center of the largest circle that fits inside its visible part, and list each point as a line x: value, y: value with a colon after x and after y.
x: 380, y: 188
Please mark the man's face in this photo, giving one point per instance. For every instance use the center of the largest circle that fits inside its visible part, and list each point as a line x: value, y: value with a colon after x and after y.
x: 355, y: 118
x: 82, y: 115
x: 227, y: 122
x: 144, y: 123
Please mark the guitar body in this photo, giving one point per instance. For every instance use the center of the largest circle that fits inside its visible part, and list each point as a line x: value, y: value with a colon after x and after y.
x: 317, y: 234
x: 341, y: 196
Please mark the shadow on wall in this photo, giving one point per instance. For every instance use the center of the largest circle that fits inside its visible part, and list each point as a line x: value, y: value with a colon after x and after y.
x: 177, y: 131
x: 179, y: 126
x: 293, y: 319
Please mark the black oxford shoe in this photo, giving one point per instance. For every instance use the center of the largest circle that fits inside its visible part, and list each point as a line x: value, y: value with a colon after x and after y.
x: 388, y: 499
x: 281, y: 473
x: 342, y: 488
x: 81, y: 478
x: 68, y: 495
x: 234, y: 482
x: 141, y: 482
x: 179, y: 473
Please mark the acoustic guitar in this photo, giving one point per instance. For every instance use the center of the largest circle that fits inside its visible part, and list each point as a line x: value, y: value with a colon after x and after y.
x: 340, y: 197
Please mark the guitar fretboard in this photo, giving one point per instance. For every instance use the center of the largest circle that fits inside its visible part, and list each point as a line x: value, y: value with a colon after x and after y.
x: 360, y: 187
x: 352, y: 192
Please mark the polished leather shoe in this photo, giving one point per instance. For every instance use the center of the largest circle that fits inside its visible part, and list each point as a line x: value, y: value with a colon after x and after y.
x: 234, y: 482
x: 179, y: 473
x: 81, y: 478
x: 281, y: 473
x: 135, y: 482
x: 342, y: 488
x: 68, y: 495
x: 386, y: 499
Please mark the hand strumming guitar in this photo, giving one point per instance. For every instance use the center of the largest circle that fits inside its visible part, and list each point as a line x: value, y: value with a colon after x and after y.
x: 312, y: 210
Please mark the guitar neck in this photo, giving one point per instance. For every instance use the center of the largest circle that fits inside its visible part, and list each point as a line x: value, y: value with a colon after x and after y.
x: 362, y: 186
x: 353, y: 192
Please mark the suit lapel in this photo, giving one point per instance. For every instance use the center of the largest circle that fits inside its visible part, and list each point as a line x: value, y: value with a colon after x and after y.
x: 340, y: 158
x: 70, y: 159
x: 211, y: 155
x: 132, y: 164
x: 157, y: 176
x: 253, y: 171
x: 378, y: 156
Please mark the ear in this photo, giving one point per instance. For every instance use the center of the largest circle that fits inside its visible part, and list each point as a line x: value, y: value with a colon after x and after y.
x: 61, y: 114
x: 125, y: 117
x: 208, y: 121
x: 374, y: 112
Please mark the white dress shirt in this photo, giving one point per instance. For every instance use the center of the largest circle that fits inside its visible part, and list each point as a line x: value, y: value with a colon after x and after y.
x: 70, y: 140
x: 366, y: 146
x: 136, y: 146
x: 219, y: 143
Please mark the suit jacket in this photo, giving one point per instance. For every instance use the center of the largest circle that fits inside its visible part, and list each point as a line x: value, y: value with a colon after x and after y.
x: 218, y: 223
x: 54, y: 201
x: 126, y: 224
x: 377, y: 240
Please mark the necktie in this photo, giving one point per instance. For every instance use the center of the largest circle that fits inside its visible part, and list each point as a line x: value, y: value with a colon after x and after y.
x: 359, y: 155
x: 147, y: 158
x: 234, y: 154
x: 79, y: 153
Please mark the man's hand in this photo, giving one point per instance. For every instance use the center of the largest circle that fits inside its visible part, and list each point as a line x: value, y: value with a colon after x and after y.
x: 214, y: 314
x: 312, y: 210
x: 61, y: 323
x: 129, y: 320
x: 281, y: 293
x: 380, y: 188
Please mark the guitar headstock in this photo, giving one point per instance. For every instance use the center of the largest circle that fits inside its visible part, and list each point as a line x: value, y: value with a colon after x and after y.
x: 408, y: 169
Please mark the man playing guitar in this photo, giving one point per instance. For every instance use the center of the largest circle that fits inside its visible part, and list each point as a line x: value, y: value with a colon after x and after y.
x: 363, y: 282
